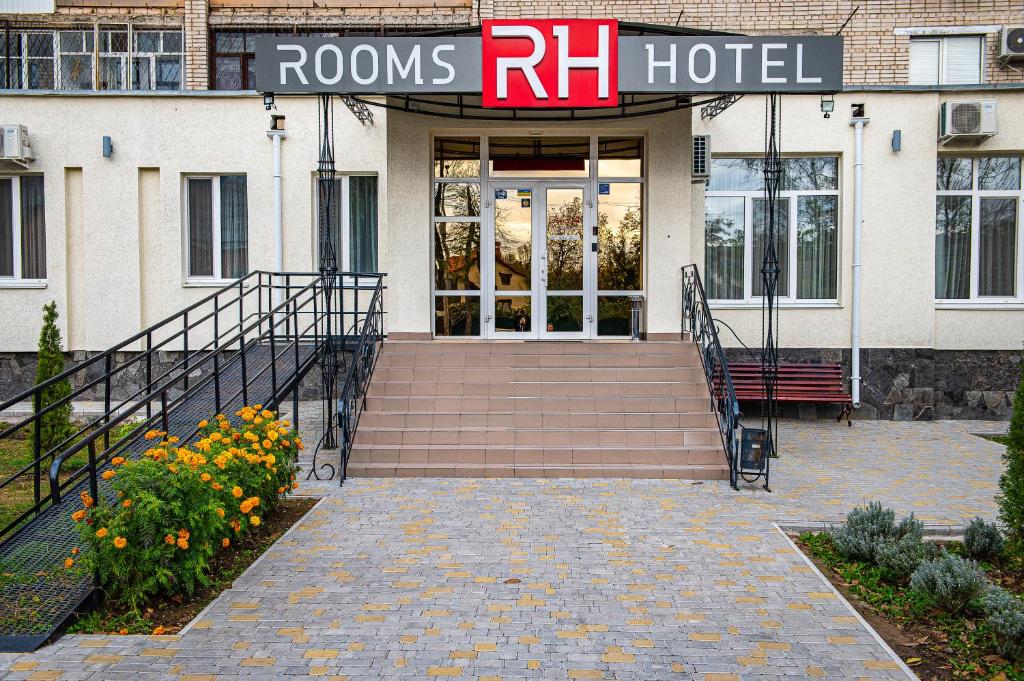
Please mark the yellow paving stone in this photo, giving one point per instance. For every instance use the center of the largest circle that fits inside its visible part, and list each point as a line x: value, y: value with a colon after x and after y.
x: 408, y: 638
x: 501, y: 620
x: 240, y: 645
x: 773, y: 645
x: 714, y: 676
x: 640, y: 622
x: 733, y: 630
x: 103, y: 659
x: 24, y: 666
x: 159, y: 652
x: 586, y: 674
x: 821, y: 595
x: 499, y: 607
x: 353, y: 647
x: 571, y: 633
x: 248, y: 617
x: 749, y: 599
x: 529, y: 600
x: 771, y: 624
x: 533, y: 664
x: 800, y: 606
x: 485, y: 580
x: 690, y: 616
x: 814, y: 671
x: 751, y: 661
x: 202, y: 624
x: 489, y: 678
x: 678, y: 667
x: 467, y: 625
x: 240, y: 605
x: 845, y: 619
x: 48, y: 675
x: 436, y: 613
x: 405, y: 585
x: 318, y: 670
x: 697, y: 636
x: 94, y: 643
x: 529, y: 640
x: 463, y: 655
x: 485, y: 647
x: 376, y: 606
x: 876, y: 665
x: 400, y: 662
x: 643, y: 643
x: 444, y: 671
x: 370, y: 618
x: 258, y: 662
x: 197, y: 677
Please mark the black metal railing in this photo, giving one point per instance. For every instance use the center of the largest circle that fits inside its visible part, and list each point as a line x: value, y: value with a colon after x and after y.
x: 253, y: 339
x: 363, y: 343
x: 699, y: 322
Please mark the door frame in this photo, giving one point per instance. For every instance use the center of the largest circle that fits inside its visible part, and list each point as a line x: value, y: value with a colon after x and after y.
x: 589, y: 261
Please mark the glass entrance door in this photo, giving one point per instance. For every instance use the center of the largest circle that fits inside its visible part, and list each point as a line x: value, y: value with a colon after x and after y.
x: 542, y: 268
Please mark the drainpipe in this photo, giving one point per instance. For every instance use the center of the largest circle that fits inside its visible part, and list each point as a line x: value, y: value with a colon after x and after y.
x: 858, y: 123
x: 276, y: 135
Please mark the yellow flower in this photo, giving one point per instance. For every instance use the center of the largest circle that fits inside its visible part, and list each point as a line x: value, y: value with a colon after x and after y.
x: 206, y: 477
x: 169, y: 539
x: 78, y: 515
x: 258, y: 420
x: 236, y: 492
x: 107, y: 475
x: 245, y: 507
x: 220, y: 512
x: 120, y: 542
x: 237, y: 526
x: 254, y: 520
x: 225, y: 542
x: 217, y: 486
x: 182, y: 543
x: 215, y: 437
x: 183, y: 533
x: 174, y: 439
x: 257, y: 407
x: 172, y: 467
x: 102, y: 532
x: 68, y: 563
x: 204, y: 423
x: 267, y: 444
x: 225, y: 425
x: 152, y: 434
x: 126, y: 503
x: 158, y: 630
x: 117, y: 460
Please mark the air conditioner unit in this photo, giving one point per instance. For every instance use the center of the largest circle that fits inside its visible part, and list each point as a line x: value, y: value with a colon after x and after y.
x: 968, y: 119
x: 701, y: 166
x: 1011, y: 42
x: 15, y: 149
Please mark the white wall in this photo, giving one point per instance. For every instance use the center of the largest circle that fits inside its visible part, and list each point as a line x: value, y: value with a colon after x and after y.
x: 898, y: 242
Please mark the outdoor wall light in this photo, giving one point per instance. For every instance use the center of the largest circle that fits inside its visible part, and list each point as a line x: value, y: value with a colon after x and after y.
x: 828, y: 105
x: 108, y: 147
x: 268, y: 101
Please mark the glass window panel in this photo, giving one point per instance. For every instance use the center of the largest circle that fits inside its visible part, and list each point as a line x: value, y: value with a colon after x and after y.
x: 457, y: 256
x: 723, y: 247
x: 513, y: 314
x: 456, y: 316
x: 513, y: 243
x: 76, y: 72
x: 997, y: 269
x: 234, y: 220
x: 362, y: 216
x: 172, y: 41
x: 111, y: 73
x: 10, y: 73
x: 456, y: 157
x: 620, y: 237
x: 564, y: 231
x: 953, y: 173
x: 229, y: 42
x: 456, y: 199
x: 118, y: 41
x: 141, y: 77
x: 565, y: 313
x: 200, y: 227
x: 736, y: 174
x: 953, y: 247
x: 229, y: 73
x: 250, y: 74
x: 539, y: 156
x: 147, y: 41
x: 759, y: 240
x: 33, y: 228
x: 620, y: 157
x: 40, y: 44
x: 329, y: 201
x: 816, y: 247
x: 613, y: 316
x: 40, y: 74
x: 810, y: 173
x: 6, y: 227
x: 168, y: 73
x: 1000, y: 173
x: 72, y: 41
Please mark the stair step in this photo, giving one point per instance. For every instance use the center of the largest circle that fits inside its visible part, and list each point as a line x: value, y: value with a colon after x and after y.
x: 537, y: 419
x: 534, y: 455
x: 688, y: 472
x: 546, y: 404
x: 537, y: 374
x: 538, y: 437
x: 541, y: 389
x: 671, y: 359
x: 475, y: 347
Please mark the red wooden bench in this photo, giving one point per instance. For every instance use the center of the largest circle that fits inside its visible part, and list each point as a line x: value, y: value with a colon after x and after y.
x: 813, y: 383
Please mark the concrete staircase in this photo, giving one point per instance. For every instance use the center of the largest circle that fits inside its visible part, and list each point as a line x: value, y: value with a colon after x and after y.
x: 541, y: 409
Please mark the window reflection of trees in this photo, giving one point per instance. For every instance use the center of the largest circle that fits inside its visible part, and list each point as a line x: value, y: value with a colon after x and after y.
x: 565, y: 244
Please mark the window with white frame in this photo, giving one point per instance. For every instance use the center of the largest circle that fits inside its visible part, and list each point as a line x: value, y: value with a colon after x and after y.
x: 977, y: 229
x: 22, y: 228
x: 353, y: 222
x: 70, y: 59
x: 807, y: 223
x: 216, y: 227
x: 947, y: 60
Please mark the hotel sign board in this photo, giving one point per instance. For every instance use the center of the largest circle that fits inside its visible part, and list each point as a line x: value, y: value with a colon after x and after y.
x: 549, y: 63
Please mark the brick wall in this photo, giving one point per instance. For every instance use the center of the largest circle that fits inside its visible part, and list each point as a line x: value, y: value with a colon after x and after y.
x: 197, y: 62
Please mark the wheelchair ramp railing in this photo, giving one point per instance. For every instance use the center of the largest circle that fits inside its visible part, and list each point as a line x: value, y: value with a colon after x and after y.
x: 250, y: 342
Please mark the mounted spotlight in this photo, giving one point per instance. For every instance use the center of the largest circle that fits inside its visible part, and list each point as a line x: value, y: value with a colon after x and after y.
x: 268, y: 101
x: 828, y: 105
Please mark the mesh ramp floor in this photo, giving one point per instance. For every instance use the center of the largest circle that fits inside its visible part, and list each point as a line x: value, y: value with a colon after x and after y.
x: 41, y: 595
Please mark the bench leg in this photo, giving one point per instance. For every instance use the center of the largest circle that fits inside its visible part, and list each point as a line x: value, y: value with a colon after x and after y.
x: 847, y: 412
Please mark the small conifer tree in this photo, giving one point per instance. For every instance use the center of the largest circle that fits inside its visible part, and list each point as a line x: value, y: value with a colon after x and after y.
x: 56, y: 424
x: 1011, y: 484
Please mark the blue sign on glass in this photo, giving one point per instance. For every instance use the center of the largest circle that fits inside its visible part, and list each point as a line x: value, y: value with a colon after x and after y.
x: 604, y: 188
x: 501, y: 193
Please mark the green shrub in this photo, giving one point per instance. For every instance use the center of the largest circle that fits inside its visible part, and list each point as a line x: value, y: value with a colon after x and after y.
x: 177, y: 505
x: 1006, y: 619
x: 56, y: 424
x: 1011, y: 483
x: 951, y: 581
x: 872, y: 535
x: 983, y: 540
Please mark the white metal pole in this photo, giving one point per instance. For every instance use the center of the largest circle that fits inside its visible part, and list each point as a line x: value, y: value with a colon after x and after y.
x: 858, y: 124
x: 276, y: 136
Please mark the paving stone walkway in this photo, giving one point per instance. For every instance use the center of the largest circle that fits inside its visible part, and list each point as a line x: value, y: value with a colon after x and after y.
x: 562, y: 579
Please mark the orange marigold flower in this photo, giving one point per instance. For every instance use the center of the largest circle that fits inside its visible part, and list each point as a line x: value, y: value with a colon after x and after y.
x: 123, y: 632
x: 117, y: 460
x: 245, y: 507
x: 254, y: 520
x: 267, y: 444
x: 204, y: 423
x: 169, y: 539
x: 183, y: 533
x: 225, y: 425
x: 280, y: 490
x: 286, y: 443
x: 87, y: 500
x: 78, y: 515
x: 237, y: 526
x: 120, y: 542
x: 225, y: 542
x: 174, y: 439
x: 74, y: 551
x: 182, y: 543
x: 206, y: 477
x: 102, y: 532
x: 68, y: 563
x: 152, y: 434
x: 126, y: 503
x: 236, y: 492
x: 217, y: 486
x: 172, y: 468
x: 159, y: 630
x: 295, y: 485
x: 220, y: 512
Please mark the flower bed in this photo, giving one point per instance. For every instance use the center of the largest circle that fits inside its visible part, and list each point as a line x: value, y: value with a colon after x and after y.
x: 952, y: 612
x: 178, y: 505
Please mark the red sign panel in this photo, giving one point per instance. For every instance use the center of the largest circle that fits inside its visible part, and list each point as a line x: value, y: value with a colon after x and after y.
x: 533, y: 63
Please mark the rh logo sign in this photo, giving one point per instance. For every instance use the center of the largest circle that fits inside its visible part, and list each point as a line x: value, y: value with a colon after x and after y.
x: 550, y: 62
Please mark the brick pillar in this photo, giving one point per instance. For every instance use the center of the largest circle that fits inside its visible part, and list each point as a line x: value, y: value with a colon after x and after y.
x: 197, y: 58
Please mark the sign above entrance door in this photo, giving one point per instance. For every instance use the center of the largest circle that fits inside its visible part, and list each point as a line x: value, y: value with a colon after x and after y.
x: 538, y: 63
